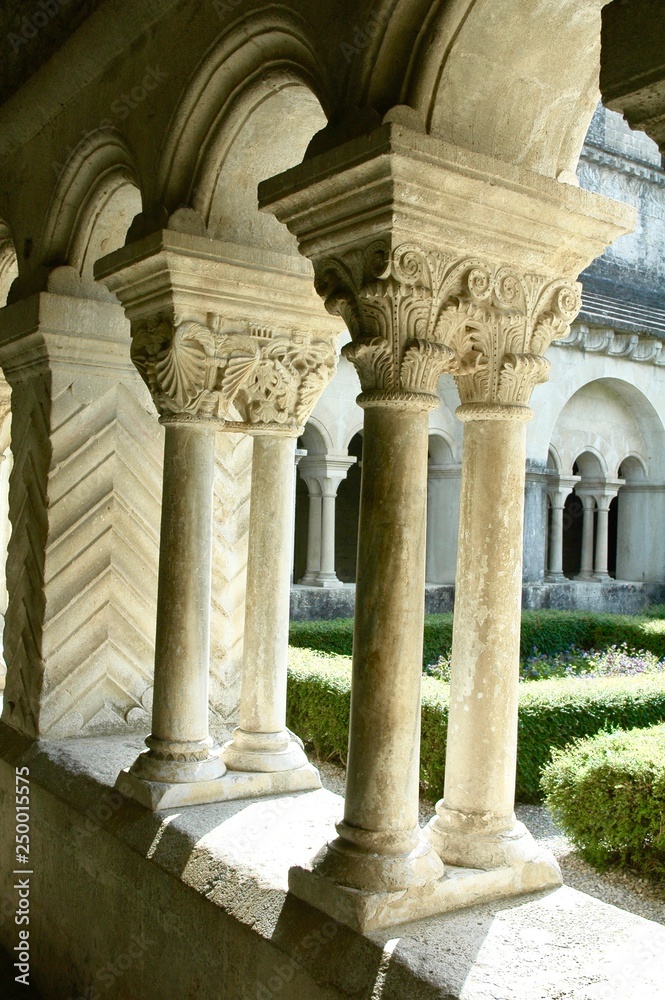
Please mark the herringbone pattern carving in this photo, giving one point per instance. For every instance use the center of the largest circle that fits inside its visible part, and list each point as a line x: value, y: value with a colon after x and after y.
x: 233, y: 462
x: 84, y: 496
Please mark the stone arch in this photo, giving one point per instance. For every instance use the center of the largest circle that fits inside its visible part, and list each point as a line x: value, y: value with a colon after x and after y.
x: 591, y: 464
x: 553, y: 459
x: 633, y: 469
x: 264, y: 60
x: 93, y: 205
x: 441, y: 449
x: 316, y: 438
x: 535, y: 90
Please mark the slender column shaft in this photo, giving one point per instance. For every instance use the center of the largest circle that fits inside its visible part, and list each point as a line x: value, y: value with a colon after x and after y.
x: 586, y: 568
x: 602, y: 524
x: 180, y: 748
x: 379, y: 844
x: 328, y: 537
x: 262, y: 742
x: 556, y: 541
x: 475, y: 823
x: 313, y: 539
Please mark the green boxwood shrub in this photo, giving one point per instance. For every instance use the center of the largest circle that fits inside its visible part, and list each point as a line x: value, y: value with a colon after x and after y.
x: 552, y: 714
x: 608, y: 793
x: 546, y: 631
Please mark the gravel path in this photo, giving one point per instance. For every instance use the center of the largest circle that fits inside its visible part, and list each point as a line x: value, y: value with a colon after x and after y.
x: 622, y: 889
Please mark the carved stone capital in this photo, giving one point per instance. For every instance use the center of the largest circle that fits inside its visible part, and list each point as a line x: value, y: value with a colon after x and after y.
x: 414, y: 313
x: 260, y: 381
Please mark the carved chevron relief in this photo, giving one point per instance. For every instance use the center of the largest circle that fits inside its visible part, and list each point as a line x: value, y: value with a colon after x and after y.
x: 415, y: 313
x: 232, y: 483
x: 261, y: 377
x: 85, y: 498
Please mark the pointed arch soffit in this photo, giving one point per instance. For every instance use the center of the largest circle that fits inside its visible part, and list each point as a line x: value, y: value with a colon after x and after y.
x: 260, y: 55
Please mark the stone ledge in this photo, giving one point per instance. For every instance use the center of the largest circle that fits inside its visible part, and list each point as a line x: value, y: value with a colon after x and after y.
x: 207, y: 889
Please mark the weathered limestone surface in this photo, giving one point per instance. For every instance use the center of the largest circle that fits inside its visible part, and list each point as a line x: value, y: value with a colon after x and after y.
x: 223, y: 869
x: 84, y: 506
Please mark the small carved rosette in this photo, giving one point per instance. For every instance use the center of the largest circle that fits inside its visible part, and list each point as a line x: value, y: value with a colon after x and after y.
x: 261, y: 380
x: 414, y: 314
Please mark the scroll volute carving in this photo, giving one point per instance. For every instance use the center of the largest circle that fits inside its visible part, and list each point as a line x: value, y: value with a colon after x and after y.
x: 415, y: 313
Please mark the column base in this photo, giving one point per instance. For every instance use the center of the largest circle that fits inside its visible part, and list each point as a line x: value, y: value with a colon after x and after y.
x: 469, y: 841
x: 326, y: 581
x: 456, y: 889
x: 601, y: 577
x: 555, y: 578
x: 157, y: 795
x: 378, y: 861
x: 263, y: 752
x: 586, y: 578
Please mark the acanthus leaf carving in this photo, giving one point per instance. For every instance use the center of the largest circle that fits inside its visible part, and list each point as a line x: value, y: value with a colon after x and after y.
x: 493, y: 322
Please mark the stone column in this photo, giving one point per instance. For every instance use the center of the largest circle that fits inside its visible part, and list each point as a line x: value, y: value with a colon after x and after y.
x: 588, y: 508
x: 557, y: 493
x: 604, y: 497
x: 180, y: 749
x: 262, y: 742
x: 379, y: 846
x: 313, y: 565
x: 640, y: 542
x: 423, y: 293
x: 323, y: 475
x: 535, y: 524
x: 443, y: 500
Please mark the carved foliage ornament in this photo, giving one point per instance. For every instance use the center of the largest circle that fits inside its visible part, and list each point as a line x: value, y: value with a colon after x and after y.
x: 270, y: 379
x: 414, y: 314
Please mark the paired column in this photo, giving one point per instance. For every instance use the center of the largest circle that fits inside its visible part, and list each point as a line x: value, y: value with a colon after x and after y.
x: 418, y: 301
x: 596, y: 505
x: 323, y: 475
x: 210, y: 374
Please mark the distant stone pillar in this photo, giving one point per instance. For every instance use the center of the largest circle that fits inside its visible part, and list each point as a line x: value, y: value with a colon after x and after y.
x: 313, y: 564
x: 535, y: 524
x: 557, y: 493
x: 443, y: 499
x: 323, y: 475
x: 588, y: 507
x: 604, y: 498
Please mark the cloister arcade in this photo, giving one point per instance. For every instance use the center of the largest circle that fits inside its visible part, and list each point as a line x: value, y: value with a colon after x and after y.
x: 222, y: 223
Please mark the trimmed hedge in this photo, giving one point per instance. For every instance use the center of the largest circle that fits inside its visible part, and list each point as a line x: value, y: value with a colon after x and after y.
x: 548, y: 632
x: 608, y: 793
x: 552, y: 713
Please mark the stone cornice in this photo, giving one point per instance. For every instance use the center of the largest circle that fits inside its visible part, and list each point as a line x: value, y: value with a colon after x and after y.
x: 643, y: 349
x: 622, y: 164
x: 421, y: 188
x: 44, y: 330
